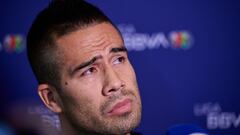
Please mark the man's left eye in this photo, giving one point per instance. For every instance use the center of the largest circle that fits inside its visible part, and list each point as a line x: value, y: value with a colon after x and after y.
x: 119, y: 60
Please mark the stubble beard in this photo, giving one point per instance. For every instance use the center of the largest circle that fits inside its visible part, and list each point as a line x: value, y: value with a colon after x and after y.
x: 85, y: 120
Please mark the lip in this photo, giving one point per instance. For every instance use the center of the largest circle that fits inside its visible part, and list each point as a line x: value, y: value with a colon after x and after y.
x: 121, y: 108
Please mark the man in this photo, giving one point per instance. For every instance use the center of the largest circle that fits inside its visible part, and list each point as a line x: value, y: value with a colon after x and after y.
x: 84, y: 74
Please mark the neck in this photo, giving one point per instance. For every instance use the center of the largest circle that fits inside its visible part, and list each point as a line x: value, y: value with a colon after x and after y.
x: 68, y: 129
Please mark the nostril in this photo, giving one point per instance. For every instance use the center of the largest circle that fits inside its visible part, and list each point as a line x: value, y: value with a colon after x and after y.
x: 112, y: 90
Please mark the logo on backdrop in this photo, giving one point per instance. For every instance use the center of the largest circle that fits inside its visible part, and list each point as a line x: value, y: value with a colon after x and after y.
x: 0, y: 47
x: 135, y: 41
x: 216, y: 118
x: 13, y: 43
x: 48, y: 118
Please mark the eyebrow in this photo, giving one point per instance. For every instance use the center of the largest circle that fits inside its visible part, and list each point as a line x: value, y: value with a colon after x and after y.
x: 95, y: 58
x: 85, y: 64
x: 118, y: 49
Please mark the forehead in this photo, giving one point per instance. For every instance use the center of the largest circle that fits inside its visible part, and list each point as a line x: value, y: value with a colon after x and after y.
x: 90, y: 39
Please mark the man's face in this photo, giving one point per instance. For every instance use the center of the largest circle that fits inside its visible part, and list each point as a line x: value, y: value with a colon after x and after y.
x: 99, y: 89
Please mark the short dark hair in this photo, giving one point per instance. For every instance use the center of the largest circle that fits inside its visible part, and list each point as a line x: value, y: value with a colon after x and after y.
x: 59, y: 18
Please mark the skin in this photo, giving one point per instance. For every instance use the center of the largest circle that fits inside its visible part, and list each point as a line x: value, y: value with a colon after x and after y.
x: 89, y: 92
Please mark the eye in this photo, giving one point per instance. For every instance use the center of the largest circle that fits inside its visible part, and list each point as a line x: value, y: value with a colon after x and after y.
x: 89, y: 71
x: 119, y: 60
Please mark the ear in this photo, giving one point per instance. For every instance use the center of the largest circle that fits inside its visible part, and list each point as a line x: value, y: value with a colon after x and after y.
x: 50, y: 97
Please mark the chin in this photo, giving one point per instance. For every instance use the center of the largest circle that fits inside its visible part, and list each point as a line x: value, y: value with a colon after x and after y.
x: 124, y: 124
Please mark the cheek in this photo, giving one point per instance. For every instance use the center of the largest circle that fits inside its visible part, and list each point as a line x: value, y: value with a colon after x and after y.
x: 88, y: 86
x: 129, y: 77
x: 127, y: 74
x: 80, y: 93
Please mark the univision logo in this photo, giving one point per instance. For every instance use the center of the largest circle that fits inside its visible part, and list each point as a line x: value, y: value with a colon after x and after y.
x: 135, y: 41
x: 180, y: 39
x: 13, y: 43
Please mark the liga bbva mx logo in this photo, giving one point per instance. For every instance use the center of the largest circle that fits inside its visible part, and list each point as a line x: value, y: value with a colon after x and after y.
x: 136, y: 41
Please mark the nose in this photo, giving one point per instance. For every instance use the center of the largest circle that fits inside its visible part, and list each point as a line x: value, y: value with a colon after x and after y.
x: 112, y: 82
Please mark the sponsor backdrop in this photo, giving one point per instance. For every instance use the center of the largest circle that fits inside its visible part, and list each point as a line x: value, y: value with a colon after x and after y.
x: 186, y: 55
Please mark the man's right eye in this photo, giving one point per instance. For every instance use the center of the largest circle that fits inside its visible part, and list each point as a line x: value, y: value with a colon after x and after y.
x: 89, y: 71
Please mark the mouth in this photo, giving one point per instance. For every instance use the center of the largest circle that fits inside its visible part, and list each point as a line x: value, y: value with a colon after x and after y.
x: 120, y: 108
